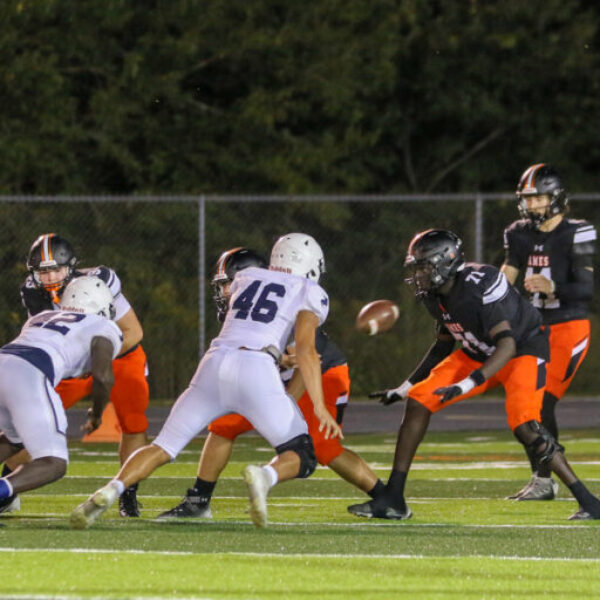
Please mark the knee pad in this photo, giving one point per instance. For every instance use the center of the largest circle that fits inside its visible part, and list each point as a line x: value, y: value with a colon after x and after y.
x: 302, y: 445
x: 544, y: 446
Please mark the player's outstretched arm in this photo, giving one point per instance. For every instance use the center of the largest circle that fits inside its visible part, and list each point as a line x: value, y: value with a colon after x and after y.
x: 310, y: 369
x: 102, y: 381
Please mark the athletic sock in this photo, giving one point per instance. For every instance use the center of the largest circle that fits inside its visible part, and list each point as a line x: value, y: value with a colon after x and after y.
x: 119, y: 485
x: 396, y: 482
x: 272, y: 474
x: 586, y: 499
x: 204, y: 488
x: 6, y: 489
x: 377, y: 489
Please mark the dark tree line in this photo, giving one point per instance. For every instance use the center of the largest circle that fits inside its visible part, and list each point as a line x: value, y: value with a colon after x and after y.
x: 283, y: 97
x: 190, y: 96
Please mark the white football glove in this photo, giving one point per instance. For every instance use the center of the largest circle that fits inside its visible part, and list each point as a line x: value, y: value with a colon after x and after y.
x: 387, y: 397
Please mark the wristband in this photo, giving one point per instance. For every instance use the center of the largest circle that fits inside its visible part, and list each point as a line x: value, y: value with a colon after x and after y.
x: 466, y: 385
x: 403, y: 389
x: 502, y: 334
x: 477, y: 377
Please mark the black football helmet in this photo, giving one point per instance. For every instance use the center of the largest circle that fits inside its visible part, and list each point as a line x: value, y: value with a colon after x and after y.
x: 48, y: 252
x: 538, y: 180
x: 229, y: 263
x: 434, y: 256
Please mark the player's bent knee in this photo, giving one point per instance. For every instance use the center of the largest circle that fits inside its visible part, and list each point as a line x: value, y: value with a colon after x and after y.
x: 53, y: 467
x: 534, y: 436
x: 134, y: 423
x: 327, y: 451
x: 302, y: 445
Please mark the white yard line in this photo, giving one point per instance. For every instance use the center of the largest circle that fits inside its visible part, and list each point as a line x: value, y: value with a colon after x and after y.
x: 292, y: 555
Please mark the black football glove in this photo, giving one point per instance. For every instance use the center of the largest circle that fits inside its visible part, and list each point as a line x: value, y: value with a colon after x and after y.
x: 447, y: 393
x: 458, y: 389
x: 387, y: 397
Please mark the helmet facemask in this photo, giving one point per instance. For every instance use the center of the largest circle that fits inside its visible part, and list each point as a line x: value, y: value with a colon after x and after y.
x: 220, y: 296
x: 50, y: 253
x: 541, y: 180
x: 229, y: 263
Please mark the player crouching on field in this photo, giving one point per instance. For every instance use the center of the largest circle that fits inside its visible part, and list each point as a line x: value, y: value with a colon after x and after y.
x: 503, y: 343
x: 79, y: 338
x: 239, y: 374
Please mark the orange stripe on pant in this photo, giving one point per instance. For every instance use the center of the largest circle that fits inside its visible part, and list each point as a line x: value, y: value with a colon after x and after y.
x: 522, y: 378
x: 569, y: 343
x: 336, y: 383
x: 129, y: 395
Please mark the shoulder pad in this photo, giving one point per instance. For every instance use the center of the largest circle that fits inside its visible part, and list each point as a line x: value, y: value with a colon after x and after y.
x: 485, y: 281
x: 520, y: 225
x: 106, y: 274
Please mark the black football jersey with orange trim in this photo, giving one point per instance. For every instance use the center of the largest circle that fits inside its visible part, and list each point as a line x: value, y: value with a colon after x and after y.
x: 560, y: 255
x: 480, y: 298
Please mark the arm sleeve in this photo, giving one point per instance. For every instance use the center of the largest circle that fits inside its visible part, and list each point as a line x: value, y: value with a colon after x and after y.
x: 581, y: 285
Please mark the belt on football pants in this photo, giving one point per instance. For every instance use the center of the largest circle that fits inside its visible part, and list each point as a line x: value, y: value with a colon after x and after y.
x: 271, y: 350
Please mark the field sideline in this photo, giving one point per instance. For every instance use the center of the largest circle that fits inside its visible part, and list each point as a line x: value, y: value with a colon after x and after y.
x: 464, y: 541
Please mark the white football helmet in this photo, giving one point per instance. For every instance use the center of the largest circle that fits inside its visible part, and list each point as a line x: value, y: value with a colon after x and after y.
x: 298, y: 254
x: 89, y: 295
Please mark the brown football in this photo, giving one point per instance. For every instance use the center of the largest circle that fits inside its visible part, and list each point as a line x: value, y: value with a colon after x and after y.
x: 377, y: 316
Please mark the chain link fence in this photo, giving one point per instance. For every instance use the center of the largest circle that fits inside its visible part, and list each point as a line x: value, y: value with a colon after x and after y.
x: 164, y: 250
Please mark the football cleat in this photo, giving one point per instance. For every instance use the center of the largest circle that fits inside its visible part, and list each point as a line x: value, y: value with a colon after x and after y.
x: 538, y: 488
x: 100, y: 501
x: 259, y: 484
x: 11, y: 504
x: 193, y: 506
x: 581, y: 515
x: 128, y: 503
x: 372, y: 511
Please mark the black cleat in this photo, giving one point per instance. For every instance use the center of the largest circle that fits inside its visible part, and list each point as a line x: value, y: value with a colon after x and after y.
x: 128, y: 503
x: 192, y: 506
x: 585, y: 515
x: 581, y: 515
x: 373, y: 511
x: 10, y: 504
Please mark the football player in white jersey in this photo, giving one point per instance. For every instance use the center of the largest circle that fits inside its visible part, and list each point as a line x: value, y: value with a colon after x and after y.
x: 79, y: 338
x: 239, y: 374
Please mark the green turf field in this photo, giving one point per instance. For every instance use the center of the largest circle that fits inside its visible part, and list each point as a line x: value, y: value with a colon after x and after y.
x: 464, y: 541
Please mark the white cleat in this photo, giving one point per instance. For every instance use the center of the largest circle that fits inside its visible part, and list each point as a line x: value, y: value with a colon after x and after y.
x: 259, y: 484
x: 85, y: 514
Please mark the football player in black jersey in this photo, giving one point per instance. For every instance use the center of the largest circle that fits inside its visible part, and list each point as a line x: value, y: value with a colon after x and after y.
x: 224, y: 430
x: 52, y: 263
x: 503, y: 343
x: 555, y: 256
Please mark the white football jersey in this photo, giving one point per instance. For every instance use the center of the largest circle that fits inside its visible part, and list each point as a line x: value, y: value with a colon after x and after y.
x: 64, y: 339
x: 111, y: 279
x: 263, y: 308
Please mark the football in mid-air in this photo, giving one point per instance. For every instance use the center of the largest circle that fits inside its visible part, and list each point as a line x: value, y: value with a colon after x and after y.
x: 377, y: 316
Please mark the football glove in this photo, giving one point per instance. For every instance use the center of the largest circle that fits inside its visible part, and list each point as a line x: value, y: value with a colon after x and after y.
x: 458, y: 389
x: 387, y: 397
